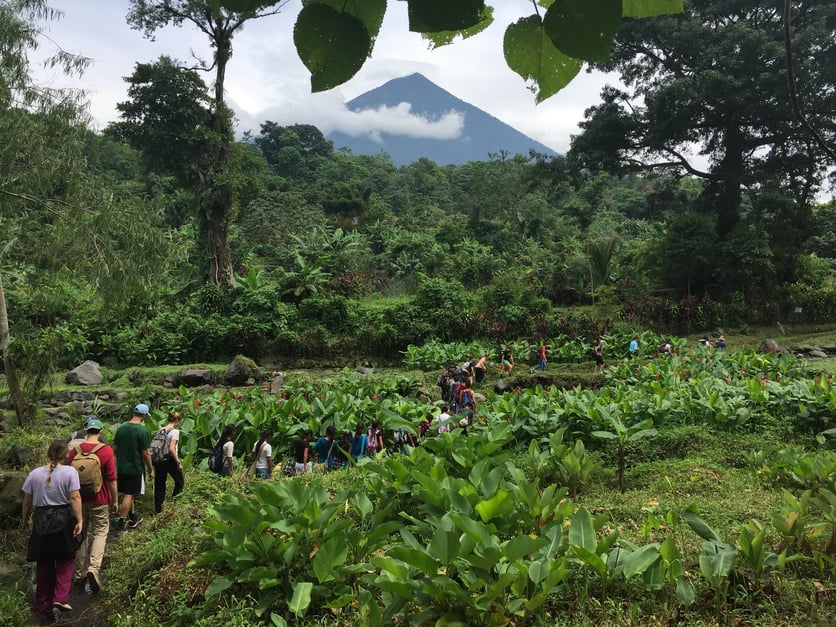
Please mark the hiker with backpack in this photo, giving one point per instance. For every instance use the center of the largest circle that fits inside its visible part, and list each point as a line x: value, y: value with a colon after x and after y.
x: 166, y: 459
x: 96, y: 466
x: 375, y: 439
x: 325, y: 448
x: 77, y: 437
x: 302, y: 453
x: 262, y: 465
x: 221, y: 458
x: 130, y: 445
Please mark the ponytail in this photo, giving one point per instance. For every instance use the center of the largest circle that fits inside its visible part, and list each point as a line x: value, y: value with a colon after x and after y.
x: 56, y: 454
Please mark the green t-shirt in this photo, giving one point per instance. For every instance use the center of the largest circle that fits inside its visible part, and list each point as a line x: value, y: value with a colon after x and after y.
x: 130, y: 440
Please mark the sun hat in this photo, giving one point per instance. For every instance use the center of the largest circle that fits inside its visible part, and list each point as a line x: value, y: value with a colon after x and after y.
x: 141, y: 410
x: 94, y: 424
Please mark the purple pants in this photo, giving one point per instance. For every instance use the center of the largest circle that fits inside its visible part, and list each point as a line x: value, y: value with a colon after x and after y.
x: 53, y: 579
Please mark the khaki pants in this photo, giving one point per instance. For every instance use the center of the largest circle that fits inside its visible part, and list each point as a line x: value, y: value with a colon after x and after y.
x: 88, y: 558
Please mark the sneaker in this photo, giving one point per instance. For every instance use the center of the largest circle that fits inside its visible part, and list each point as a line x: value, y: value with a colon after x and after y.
x: 92, y: 583
x: 133, y: 523
x: 88, y: 590
x: 120, y: 525
x: 64, y: 607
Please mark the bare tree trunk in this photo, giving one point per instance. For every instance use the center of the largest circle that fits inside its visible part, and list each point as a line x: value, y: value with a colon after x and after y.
x: 8, y: 365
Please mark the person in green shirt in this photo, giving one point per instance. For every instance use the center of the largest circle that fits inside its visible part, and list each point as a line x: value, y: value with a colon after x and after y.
x: 131, y: 444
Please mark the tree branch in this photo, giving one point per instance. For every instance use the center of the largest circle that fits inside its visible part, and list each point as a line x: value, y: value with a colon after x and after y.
x: 791, y: 83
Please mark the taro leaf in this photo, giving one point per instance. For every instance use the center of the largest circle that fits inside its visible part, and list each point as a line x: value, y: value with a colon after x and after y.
x: 591, y: 559
x: 531, y: 54
x: 650, y: 8
x: 685, y: 592
x: 362, y: 503
x: 416, y: 558
x: 330, y: 555
x: 522, y: 546
x: 654, y: 577
x: 581, y: 531
x: 301, y: 597
x: 445, y: 545
x: 499, y: 505
x: 638, y: 561
x: 430, y: 16
x: 700, y: 527
x: 538, y: 570
x: 218, y: 585
x: 583, y: 29
x: 332, y: 45
x: 717, y: 560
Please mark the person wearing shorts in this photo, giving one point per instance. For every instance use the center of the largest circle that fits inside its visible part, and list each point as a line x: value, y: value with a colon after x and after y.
x: 131, y: 444
x: 598, y: 356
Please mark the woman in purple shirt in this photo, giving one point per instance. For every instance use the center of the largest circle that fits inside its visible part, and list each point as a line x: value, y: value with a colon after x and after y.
x: 53, y: 491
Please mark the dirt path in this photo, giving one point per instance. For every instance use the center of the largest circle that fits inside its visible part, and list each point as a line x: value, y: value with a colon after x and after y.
x: 87, y: 610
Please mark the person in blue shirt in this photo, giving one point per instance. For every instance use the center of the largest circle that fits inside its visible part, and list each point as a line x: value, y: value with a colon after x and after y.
x: 720, y: 343
x: 634, y: 347
x: 325, y: 447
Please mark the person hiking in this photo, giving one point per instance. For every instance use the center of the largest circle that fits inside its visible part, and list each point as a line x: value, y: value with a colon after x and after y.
x: 302, y: 451
x: 325, y: 447
x: 95, y: 507
x: 227, y: 446
x: 170, y: 464
x: 598, y: 356
x: 359, y: 441
x: 131, y: 444
x: 541, y: 359
x: 480, y: 368
x: 53, y: 492
x: 263, y: 455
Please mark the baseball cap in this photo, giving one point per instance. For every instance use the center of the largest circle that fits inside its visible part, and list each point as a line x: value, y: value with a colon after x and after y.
x: 88, y: 419
x: 94, y: 423
x: 141, y: 410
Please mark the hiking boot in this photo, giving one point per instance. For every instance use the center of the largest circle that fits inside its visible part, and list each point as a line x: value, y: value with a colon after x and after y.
x: 120, y: 525
x: 88, y: 590
x: 92, y: 582
x: 133, y: 523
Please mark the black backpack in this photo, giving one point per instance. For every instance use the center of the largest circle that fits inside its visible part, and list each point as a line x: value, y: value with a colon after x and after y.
x: 158, y: 448
x: 216, y: 459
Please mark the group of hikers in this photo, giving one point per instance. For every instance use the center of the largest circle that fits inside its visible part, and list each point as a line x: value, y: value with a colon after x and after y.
x: 72, y: 498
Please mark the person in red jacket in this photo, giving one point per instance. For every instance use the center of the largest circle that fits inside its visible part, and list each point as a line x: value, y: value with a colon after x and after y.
x: 96, y: 510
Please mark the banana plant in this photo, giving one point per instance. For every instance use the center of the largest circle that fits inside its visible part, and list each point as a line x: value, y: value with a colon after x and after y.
x: 623, y: 434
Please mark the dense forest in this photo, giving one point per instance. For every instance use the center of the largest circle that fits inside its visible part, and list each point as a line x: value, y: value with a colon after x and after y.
x: 166, y: 239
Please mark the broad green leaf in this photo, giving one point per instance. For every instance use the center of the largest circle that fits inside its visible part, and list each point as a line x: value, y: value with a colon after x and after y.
x: 370, y: 12
x: 583, y: 29
x: 700, y: 527
x: 530, y: 53
x: 650, y: 8
x: 522, y: 546
x: 218, y: 585
x: 591, y: 559
x: 538, y: 570
x: 604, y: 435
x: 416, y: 558
x: 362, y: 503
x: 717, y: 560
x: 301, y: 597
x: 430, y: 16
x: 685, y: 592
x: 638, y: 561
x: 444, y: 37
x: 445, y: 545
x: 330, y: 555
x: 499, y: 505
x: 654, y: 577
x: 582, y: 532
x: 332, y: 45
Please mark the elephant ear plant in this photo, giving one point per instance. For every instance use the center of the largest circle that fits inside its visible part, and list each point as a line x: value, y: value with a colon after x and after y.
x: 622, y: 435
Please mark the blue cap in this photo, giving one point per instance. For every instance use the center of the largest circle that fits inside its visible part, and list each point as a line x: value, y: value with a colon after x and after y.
x: 88, y: 419
x: 141, y: 410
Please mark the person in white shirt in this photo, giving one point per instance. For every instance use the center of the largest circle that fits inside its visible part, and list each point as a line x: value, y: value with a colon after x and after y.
x: 441, y: 419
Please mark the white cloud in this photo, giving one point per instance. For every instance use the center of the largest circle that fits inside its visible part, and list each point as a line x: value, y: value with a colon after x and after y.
x: 329, y: 115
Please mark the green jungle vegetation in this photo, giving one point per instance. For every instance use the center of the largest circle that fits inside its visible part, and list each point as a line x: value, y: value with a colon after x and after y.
x: 695, y: 488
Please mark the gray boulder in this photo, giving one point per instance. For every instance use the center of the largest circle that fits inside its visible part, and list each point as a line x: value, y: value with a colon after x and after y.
x: 241, y: 370
x: 11, y: 497
x: 195, y: 377
x: 771, y: 346
x: 817, y: 353
x: 501, y: 387
x: 87, y: 373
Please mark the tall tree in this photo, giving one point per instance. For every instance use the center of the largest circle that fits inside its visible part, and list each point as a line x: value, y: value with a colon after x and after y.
x: 217, y: 195
x: 48, y: 199
x: 714, y: 79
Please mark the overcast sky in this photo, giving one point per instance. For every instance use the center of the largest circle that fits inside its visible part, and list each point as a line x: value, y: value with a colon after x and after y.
x: 267, y: 81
